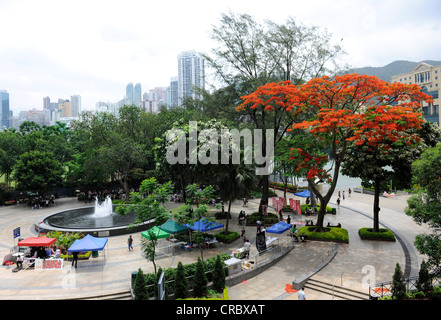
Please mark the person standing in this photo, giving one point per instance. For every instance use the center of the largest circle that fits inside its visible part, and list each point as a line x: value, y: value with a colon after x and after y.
x: 74, y: 259
x: 130, y: 243
x: 302, y: 294
x: 247, y: 246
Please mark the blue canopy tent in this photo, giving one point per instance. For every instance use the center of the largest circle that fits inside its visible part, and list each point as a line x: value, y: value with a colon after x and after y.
x: 204, y: 225
x: 279, y: 227
x: 88, y: 243
x: 304, y: 194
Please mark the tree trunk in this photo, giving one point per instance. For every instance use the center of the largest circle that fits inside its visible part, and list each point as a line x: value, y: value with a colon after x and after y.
x: 264, y: 199
x: 228, y: 217
x: 376, y: 227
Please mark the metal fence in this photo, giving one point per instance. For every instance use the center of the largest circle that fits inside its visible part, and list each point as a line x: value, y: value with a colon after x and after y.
x: 384, y: 289
x: 272, y: 252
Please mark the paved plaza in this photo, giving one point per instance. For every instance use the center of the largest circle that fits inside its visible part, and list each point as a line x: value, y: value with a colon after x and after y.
x: 355, y: 266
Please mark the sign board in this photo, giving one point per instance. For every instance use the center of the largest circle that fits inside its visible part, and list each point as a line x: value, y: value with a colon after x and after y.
x: 16, y: 232
x: 298, y: 207
x: 48, y: 264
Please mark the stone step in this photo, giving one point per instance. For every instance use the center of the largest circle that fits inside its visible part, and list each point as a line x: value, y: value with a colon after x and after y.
x: 335, y: 291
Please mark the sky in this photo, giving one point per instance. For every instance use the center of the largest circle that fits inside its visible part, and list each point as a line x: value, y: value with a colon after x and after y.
x: 94, y: 48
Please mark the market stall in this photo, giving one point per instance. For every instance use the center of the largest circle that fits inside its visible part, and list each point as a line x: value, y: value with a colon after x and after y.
x: 88, y: 243
x: 157, y: 232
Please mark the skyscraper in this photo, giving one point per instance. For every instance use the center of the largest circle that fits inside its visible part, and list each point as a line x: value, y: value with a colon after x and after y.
x: 191, y: 74
x: 137, y: 95
x: 172, y: 93
x: 4, y: 109
x: 76, y: 105
x: 129, y: 93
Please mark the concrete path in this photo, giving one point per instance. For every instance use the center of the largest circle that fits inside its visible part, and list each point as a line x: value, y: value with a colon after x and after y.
x: 356, y: 264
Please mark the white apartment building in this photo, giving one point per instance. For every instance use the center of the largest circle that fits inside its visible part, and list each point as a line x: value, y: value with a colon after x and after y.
x: 428, y: 77
x: 191, y: 74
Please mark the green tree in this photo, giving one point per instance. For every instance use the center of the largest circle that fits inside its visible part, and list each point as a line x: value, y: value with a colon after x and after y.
x: 425, y: 207
x: 218, y: 275
x: 250, y: 54
x: 140, y: 289
x: 12, y: 145
x: 424, y: 282
x: 181, y: 283
x: 234, y: 181
x: 374, y: 165
x: 38, y: 171
x: 398, y: 288
x: 148, y: 247
x: 200, y: 280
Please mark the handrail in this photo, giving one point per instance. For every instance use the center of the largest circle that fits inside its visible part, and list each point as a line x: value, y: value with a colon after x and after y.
x: 341, y: 282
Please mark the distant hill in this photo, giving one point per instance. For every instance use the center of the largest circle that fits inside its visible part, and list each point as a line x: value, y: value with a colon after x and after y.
x: 394, y: 68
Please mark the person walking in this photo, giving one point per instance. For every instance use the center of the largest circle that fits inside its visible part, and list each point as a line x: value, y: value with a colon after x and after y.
x: 130, y: 243
x: 302, y: 294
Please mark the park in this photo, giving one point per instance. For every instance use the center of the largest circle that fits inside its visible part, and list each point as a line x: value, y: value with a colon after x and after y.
x: 164, y: 206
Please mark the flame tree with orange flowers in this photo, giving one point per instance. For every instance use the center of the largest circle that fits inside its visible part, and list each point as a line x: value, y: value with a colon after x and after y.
x: 337, y: 111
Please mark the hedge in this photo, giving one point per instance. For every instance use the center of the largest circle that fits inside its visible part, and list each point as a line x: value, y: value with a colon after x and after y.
x: 227, y: 238
x: 189, y: 270
x: 334, y: 234
x: 383, y: 234
x: 269, y: 219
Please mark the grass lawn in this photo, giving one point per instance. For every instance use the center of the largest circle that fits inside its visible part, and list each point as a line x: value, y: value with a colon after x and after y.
x: 334, y: 234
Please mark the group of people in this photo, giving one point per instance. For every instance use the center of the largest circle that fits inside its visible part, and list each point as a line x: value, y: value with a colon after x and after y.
x: 342, y: 193
x: 39, y: 202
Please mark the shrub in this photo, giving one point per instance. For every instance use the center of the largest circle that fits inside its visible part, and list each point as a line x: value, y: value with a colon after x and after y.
x: 181, y: 284
x: 382, y: 234
x: 398, y: 288
x: 227, y: 238
x: 200, y: 280
x: 140, y: 289
x: 218, y: 276
x: 424, y: 282
x: 269, y: 219
x: 331, y: 234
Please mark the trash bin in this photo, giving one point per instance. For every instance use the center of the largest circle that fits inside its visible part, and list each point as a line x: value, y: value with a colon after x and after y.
x: 334, y: 211
x: 94, y: 254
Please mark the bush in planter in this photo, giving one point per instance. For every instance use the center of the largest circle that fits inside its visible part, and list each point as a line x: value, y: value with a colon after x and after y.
x: 269, y: 219
x: 383, y: 234
x: 332, y: 234
x: 227, y: 238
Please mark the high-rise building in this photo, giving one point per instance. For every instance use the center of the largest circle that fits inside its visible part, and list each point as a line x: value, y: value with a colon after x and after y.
x: 428, y: 77
x: 137, y: 95
x: 4, y: 109
x: 75, y: 101
x: 65, y: 108
x: 129, y: 93
x: 191, y: 74
x: 172, y: 93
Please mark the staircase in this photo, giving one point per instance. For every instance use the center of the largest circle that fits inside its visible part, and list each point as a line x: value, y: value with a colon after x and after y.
x: 335, y: 291
x: 122, y: 295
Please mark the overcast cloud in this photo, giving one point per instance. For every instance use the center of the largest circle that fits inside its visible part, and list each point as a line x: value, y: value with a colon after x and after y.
x: 93, y: 48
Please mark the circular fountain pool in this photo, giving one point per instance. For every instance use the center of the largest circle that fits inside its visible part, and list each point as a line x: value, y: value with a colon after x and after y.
x: 99, y: 221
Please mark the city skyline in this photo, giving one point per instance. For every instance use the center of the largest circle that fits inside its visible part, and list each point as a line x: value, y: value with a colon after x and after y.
x: 91, y: 49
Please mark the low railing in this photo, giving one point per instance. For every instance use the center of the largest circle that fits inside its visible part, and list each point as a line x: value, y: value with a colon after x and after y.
x: 380, y: 290
x: 272, y: 252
